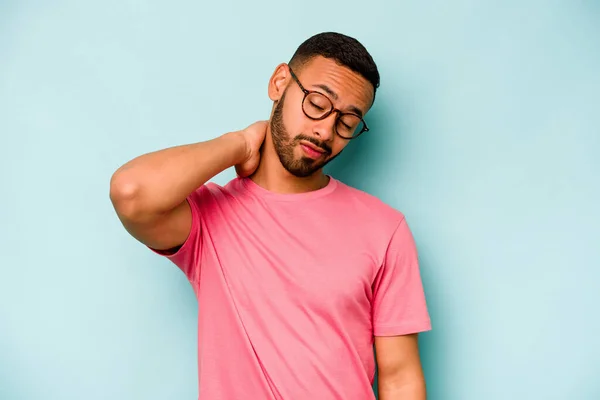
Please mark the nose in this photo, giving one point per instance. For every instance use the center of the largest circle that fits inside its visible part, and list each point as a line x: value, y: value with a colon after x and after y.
x: 325, y: 129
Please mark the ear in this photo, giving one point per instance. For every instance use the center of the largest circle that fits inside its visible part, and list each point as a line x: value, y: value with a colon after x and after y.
x: 279, y: 81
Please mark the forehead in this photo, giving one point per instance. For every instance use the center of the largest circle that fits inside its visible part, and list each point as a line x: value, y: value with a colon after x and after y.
x: 348, y: 87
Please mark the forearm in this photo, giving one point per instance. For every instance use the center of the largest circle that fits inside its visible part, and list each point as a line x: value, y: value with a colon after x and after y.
x: 390, y: 389
x: 160, y: 181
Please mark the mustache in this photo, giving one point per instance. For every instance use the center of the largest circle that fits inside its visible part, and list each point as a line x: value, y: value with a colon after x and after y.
x: 324, y: 146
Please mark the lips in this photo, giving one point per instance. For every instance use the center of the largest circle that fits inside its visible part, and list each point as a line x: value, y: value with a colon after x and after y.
x: 313, y: 147
x: 310, y: 151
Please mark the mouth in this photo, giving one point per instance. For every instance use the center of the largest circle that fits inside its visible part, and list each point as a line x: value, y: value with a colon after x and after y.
x: 311, y: 150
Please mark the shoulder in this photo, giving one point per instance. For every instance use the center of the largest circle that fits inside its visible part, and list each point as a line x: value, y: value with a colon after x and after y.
x: 370, y: 206
x: 212, y: 193
x: 381, y: 225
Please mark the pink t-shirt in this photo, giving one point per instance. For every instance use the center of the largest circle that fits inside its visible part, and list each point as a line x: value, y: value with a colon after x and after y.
x: 292, y: 288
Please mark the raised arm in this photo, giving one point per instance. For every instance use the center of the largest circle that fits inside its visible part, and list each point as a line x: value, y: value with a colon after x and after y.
x: 149, y: 192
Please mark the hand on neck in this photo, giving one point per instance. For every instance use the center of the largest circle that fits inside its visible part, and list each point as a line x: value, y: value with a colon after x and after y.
x: 272, y: 176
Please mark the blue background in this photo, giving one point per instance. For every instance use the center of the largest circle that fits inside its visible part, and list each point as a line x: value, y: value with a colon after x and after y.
x: 485, y: 133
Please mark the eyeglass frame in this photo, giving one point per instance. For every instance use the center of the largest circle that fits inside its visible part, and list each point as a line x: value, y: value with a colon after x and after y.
x: 340, y: 113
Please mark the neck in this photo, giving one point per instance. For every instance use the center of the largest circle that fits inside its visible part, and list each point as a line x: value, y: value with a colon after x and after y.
x: 272, y: 176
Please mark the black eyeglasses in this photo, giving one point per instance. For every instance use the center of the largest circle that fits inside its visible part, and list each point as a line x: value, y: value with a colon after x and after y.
x: 317, y: 106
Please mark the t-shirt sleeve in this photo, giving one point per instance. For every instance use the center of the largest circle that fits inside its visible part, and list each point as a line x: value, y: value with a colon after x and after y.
x: 188, y: 256
x: 399, y: 306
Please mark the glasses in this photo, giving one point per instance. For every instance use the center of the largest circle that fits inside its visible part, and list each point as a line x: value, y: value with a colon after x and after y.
x: 317, y: 106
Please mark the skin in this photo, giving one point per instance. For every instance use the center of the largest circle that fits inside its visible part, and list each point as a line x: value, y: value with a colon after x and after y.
x: 288, y: 123
x: 400, y: 374
x: 149, y: 192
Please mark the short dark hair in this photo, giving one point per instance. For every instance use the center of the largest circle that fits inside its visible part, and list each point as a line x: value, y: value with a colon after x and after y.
x: 343, y: 49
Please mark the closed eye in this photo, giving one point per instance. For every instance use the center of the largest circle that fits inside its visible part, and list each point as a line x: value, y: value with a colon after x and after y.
x: 316, y: 106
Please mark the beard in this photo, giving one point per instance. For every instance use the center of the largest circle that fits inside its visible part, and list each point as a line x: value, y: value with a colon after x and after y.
x: 301, y: 167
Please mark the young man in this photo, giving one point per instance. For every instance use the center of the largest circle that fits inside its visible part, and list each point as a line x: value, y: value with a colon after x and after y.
x: 297, y: 275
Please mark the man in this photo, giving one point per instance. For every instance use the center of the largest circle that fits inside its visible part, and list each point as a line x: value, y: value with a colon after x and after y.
x: 297, y: 275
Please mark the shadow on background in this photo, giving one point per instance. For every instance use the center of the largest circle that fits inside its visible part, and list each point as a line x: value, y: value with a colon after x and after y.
x: 11, y: 388
x: 362, y: 162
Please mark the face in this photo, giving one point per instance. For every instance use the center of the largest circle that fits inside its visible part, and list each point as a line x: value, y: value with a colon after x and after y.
x: 304, y: 145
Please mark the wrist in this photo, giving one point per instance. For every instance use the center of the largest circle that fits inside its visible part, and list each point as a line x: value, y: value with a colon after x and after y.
x: 239, y: 147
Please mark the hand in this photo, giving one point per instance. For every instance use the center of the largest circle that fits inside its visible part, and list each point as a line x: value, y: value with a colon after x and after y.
x: 254, y: 136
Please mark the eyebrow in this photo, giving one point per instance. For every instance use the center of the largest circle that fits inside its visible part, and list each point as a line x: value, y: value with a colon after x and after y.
x: 333, y: 94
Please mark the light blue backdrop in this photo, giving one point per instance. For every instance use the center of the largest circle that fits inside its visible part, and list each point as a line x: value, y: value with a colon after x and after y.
x: 485, y: 133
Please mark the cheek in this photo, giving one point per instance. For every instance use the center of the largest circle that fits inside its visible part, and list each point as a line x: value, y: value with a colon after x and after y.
x: 293, y: 117
x: 338, y: 146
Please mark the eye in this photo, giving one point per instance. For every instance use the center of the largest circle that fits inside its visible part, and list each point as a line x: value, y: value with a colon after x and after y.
x: 318, y: 107
x: 349, y: 122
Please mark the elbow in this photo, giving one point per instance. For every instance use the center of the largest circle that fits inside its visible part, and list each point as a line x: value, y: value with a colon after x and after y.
x: 398, y: 384
x: 124, y: 194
